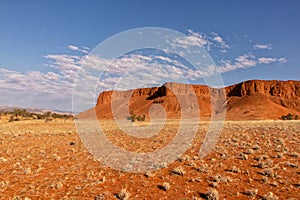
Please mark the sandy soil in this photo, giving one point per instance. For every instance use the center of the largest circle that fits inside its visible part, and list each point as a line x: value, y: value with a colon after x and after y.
x: 41, y: 160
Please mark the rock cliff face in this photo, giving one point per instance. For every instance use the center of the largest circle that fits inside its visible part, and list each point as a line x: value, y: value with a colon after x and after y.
x: 168, y: 89
x: 105, y: 97
x: 254, y: 99
x: 282, y: 89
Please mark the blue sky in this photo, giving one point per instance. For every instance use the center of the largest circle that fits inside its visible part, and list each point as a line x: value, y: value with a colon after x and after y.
x: 42, y: 42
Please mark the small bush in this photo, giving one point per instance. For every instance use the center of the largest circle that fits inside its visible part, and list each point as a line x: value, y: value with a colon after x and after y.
x: 234, y: 169
x: 133, y: 117
x: 251, y: 192
x: 212, y: 194
x: 243, y: 156
x: 289, y: 116
x: 269, y: 173
x: 270, y: 196
x: 203, y: 168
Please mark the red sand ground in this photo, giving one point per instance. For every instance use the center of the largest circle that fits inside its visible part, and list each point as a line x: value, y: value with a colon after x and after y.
x: 38, y: 162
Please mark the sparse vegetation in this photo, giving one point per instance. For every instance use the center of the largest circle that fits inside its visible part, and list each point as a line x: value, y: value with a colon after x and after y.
x: 178, y: 171
x: 234, y: 169
x: 148, y: 174
x: 270, y: 196
x: 23, y: 114
x: 243, y: 156
x: 251, y: 192
x: 269, y: 173
x: 133, y: 117
x: 203, y: 168
x: 289, y: 116
x: 123, y: 194
x: 212, y: 194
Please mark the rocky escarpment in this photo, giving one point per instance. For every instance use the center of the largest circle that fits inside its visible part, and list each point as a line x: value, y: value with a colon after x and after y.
x: 283, y: 89
x: 258, y: 99
x: 167, y: 89
x: 106, y: 96
x: 254, y: 99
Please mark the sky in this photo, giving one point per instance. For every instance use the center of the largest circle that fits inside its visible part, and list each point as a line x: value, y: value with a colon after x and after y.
x: 45, y: 44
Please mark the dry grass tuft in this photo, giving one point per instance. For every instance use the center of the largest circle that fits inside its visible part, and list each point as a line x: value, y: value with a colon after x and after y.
x: 178, y: 171
x: 270, y: 196
x: 269, y: 173
x: 123, y: 194
x: 234, y: 169
x: 165, y: 186
x: 100, y: 197
x: 212, y: 194
x: 149, y: 174
x: 251, y: 192
x: 203, y: 168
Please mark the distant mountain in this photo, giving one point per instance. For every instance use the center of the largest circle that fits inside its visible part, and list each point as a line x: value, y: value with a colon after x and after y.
x: 249, y: 100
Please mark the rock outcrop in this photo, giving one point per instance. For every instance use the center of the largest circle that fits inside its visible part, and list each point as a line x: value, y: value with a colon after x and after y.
x: 249, y: 100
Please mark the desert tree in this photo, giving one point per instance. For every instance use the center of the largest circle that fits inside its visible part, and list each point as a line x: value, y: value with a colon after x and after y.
x: 47, y: 116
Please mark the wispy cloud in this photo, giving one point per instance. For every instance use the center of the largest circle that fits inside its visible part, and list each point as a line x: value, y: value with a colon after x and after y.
x: 196, y: 40
x: 193, y: 39
x: 246, y: 61
x: 264, y: 60
x: 75, y: 48
x: 220, y: 41
x: 262, y: 46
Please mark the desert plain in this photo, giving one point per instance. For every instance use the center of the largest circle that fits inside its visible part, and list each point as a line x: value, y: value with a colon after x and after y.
x: 251, y: 160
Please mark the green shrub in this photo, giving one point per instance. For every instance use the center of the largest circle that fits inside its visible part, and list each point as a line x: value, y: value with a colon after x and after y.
x: 133, y: 117
x: 289, y: 116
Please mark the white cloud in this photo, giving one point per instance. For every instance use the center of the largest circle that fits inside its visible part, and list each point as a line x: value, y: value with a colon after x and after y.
x: 264, y: 60
x: 262, y: 46
x: 32, y: 81
x: 221, y: 42
x: 194, y: 39
x: 218, y: 39
x: 246, y: 61
x: 67, y: 65
x: 241, y: 62
x: 282, y: 60
x: 75, y: 48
